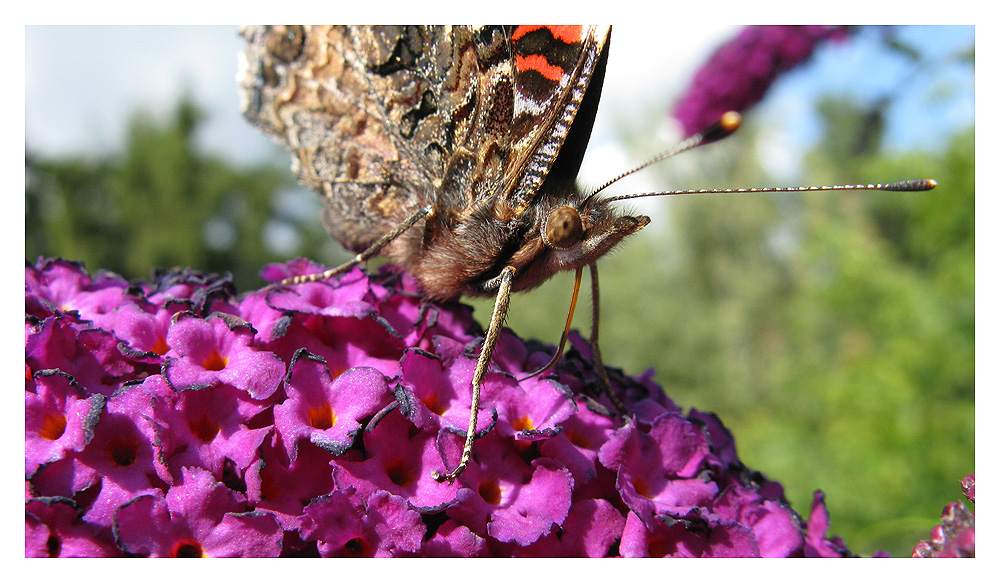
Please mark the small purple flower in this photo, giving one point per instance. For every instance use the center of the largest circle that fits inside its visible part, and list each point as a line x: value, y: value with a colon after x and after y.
x: 400, y: 460
x: 56, y: 286
x: 590, y: 529
x: 217, y: 351
x: 53, y: 527
x: 453, y: 539
x: 432, y: 392
x: 199, y: 517
x: 201, y: 293
x: 577, y: 445
x: 59, y: 417
x: 334, y: 521
x: 339, y: 323
x: 93, y: 356
x: 677, y: 538
x: 658, y: 470
x: 816, y: 543
x: 740, y: 72
x: 325, y: 411
x: 206, y: 429
x: 348, y: 298
x: 116, y: 464
x: 143, y: 329
x: 776, y: 532
x: 512, y: 501
x: 385, y: 527
x: 283, y: 486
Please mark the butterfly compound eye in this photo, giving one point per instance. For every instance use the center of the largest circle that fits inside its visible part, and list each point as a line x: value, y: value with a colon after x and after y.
x: 563, y: 229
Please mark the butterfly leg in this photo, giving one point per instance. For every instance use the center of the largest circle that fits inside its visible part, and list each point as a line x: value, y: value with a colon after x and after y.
x: 505, y: 279
x: 368, y: 253
x: 602, y: 373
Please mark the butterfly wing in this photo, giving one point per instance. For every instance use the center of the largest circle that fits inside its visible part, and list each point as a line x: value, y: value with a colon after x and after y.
x: 559, y: 76
x: 373, y: 116
x: 383, y: 120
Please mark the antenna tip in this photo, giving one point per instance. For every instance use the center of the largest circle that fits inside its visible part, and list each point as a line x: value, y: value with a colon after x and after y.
x: 913, y: 185
x: 728, y: 123
x: 731, y: 121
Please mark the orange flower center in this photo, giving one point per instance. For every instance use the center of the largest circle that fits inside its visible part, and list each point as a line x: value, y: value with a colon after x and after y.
x: 523, y: 423
x: 215, y: 361
x: 187, y: 550
x: 204, y: 428
x: 322, y: 417
x: 399, y: 473
x: 490, y: 491
x: 53, y: 426
x: 122, y: 451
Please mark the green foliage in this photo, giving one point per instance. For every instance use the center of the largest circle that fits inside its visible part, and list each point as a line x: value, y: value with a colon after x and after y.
x: 833, y: 333
x: 158, y: 204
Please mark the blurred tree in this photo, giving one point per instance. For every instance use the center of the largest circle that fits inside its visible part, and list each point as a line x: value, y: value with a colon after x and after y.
x: 160, y: 203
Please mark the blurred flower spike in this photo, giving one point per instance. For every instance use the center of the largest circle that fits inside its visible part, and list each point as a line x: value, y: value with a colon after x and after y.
x: 741, y: 71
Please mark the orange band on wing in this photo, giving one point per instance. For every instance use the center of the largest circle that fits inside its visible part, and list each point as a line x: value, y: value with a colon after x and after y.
x: 569, y: 33
x: 540, y: 64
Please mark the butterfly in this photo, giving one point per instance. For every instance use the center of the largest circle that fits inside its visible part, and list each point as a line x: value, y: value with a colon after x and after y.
x: 452, y: 150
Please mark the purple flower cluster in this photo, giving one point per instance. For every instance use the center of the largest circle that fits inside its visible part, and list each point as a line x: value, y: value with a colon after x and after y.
x: 740, y: 72
x: 174, y: 418
x: 956, y: 535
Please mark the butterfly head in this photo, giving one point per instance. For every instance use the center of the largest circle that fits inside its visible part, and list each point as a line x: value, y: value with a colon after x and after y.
x: 569, y: 234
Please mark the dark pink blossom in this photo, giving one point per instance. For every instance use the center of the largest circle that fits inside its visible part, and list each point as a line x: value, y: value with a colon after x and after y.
x: 283, y: 486
x: 53, y: 527
x: 327, y: 411
x: 55, y: 286
x: 385, y: 526
x: 816, y: 542
x: 431, y: 391
x: 591, y: 528
x: 219, y: 350
x: 399, y: 461
x: 453, y: 539
x: 678, y: 538
x: 93, y: 356
x: 141, y: 328
x: 59, y: 417
x: 512, y: 500
x: 346, y: 335
x: 116, y: 464
x: 198, y: 517
x: 660, y: 471
x: 206, y: 429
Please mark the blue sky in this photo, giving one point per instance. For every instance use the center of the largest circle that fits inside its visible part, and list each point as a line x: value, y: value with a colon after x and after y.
x: 922, y: 115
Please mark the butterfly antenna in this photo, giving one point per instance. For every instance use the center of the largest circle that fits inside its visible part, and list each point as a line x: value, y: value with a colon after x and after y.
x: 728, y: 123
x: 903, y: 186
